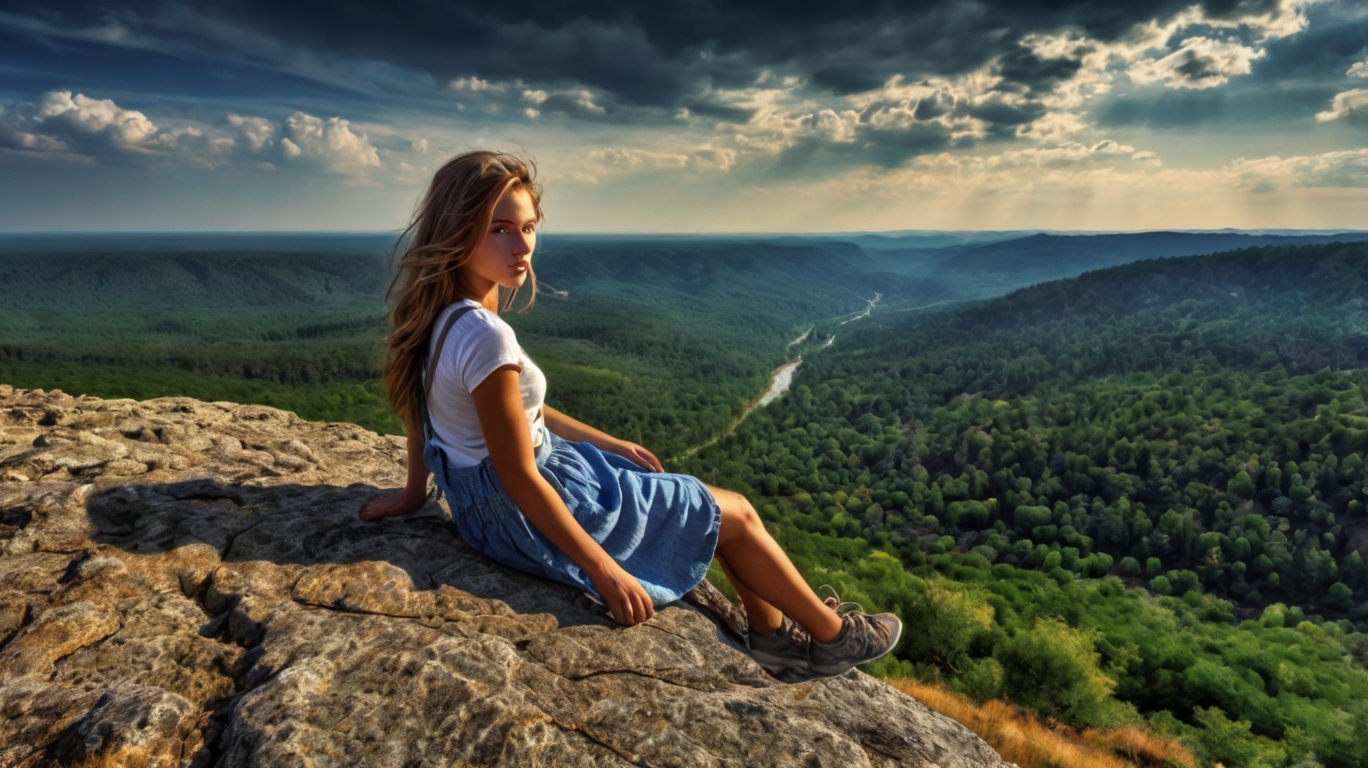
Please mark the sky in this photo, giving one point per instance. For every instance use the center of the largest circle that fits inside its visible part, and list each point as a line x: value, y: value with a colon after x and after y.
x: 689, y: 115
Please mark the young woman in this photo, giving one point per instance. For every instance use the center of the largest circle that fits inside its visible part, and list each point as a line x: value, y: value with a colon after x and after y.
x: 537, y: 490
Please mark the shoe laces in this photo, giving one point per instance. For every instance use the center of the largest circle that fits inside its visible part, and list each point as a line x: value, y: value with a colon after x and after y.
x: 834, y: 602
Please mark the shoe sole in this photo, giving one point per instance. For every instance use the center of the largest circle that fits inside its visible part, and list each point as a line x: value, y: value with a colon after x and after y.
x: 837, y: 669
x: 777, y: 664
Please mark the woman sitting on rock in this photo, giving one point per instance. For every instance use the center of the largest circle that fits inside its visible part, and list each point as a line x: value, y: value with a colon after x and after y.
x: 539, y: 491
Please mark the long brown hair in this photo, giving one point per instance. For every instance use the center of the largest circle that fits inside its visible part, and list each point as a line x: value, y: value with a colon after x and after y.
x: 448, y: 225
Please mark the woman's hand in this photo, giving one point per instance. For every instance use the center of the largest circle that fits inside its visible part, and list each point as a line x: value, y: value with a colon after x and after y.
x: 635, y: 453
x: 393, y: 505
x: 503, y: 422
x: 626, y: 599
x: 415, y: 493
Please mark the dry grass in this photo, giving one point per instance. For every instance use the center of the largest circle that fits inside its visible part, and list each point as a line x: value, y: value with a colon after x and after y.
x: 123, y: 758
x: 1023, y: 739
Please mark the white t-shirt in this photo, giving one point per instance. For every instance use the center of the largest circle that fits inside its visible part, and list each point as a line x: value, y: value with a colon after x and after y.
x: 478, y: 343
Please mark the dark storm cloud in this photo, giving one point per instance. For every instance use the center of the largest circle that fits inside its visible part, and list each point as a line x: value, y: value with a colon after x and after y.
x: 657, y: 54
x: 644, y: 63
x: 1323, y: 52
x: 814, y: 156
x: 1296, y: 78
x: 847, y: 79
x: 933, y: 106
x: 1025, y: 72
x: 725, y: 112
x: 1003, y: 115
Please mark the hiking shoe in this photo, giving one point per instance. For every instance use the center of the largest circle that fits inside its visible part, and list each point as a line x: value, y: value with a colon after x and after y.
x: 863, y: 639
x: 783, y: 649
x: 835, y: 603
x: 786, y: 648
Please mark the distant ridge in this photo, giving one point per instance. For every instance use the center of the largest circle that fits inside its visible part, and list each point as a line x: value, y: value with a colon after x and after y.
x: 987, y: 269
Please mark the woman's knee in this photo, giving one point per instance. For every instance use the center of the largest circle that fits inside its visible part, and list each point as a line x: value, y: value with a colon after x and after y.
x: 739, y: 518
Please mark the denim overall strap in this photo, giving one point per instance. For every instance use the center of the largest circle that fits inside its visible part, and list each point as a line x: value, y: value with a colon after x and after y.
x: 431, y: 371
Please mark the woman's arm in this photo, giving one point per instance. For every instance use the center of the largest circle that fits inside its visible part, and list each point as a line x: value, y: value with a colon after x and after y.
x: 415, y: 492
x: 498, y: 403
x: 571, y: 429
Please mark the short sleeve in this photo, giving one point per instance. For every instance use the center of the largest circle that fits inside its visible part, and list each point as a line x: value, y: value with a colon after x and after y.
x: 488, y: 345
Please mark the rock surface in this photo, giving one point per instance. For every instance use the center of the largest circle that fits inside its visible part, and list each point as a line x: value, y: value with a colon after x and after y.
x: 187, y: 584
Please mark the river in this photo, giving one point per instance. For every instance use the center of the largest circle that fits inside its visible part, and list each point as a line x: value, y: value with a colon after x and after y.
x: 781, y: 379
x: 866, y: 311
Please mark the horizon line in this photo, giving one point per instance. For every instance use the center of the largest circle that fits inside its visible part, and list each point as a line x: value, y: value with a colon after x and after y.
x: 717, y: 233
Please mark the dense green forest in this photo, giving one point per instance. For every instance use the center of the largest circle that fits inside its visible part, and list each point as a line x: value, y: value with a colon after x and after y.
x: 1134, y: 494
x: 665, y: 341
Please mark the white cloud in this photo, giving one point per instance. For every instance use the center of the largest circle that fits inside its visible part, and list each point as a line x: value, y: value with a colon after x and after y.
x: 80, y: 127
x: 257, y: 131
x: 77, y: 126
x: 475, y: 85
x: 78, y: 115
x: 1359, y: 69
x: 13, y: 135
x: 1147, y: 158
x: 1055, y: 126
x: 517, y: 96
x: 1096, y: 186
x: 1331, y: 169
x: 111, y: 33
x: 599, y: 164
x: 1283, y: 19
x: 579, y: 99
x: 967, y: 108
x: 1199, y: 62
x: 1205, y: 60
x: 1352, y: 105
x: 782, y: 115
x: 1069, y: 155
x: 329, y: 143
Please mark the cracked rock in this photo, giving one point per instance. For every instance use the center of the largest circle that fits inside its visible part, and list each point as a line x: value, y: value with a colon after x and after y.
x: 187, y: 584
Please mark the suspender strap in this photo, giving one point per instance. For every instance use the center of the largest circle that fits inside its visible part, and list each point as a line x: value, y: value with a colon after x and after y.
x: 432, y: 363
x: 441, y: 342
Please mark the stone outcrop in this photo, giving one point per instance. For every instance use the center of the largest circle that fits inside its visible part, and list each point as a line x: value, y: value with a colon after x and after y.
x: 187, y: 584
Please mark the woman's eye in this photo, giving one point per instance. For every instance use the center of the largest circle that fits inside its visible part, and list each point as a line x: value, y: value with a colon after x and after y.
x: 501, y: 230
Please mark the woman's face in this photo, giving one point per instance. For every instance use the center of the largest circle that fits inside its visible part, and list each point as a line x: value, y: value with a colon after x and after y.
x: 505, y: 254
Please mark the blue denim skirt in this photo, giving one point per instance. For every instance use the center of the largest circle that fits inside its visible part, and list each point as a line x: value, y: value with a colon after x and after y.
x: 662, y: 528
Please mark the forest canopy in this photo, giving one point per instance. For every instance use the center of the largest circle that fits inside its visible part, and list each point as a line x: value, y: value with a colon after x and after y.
x: 1136, y: 495
x: 1131, y: 497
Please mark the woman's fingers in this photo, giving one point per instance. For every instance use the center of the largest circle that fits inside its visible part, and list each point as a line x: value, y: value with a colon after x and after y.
x: 376, y: 509
x: 652, y: 461
x: 642, y: 610
x: 627, y: 601
x: 401, y: 503
x: 645, y: 458
x: 624, y: 613
x: 632, y: 605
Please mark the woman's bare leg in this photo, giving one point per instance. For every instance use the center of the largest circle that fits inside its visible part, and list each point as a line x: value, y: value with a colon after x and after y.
x: 757, y: 565
x: 761, y: 616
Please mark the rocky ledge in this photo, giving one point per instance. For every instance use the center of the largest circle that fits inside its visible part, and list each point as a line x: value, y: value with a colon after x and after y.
x: 187, y: 584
